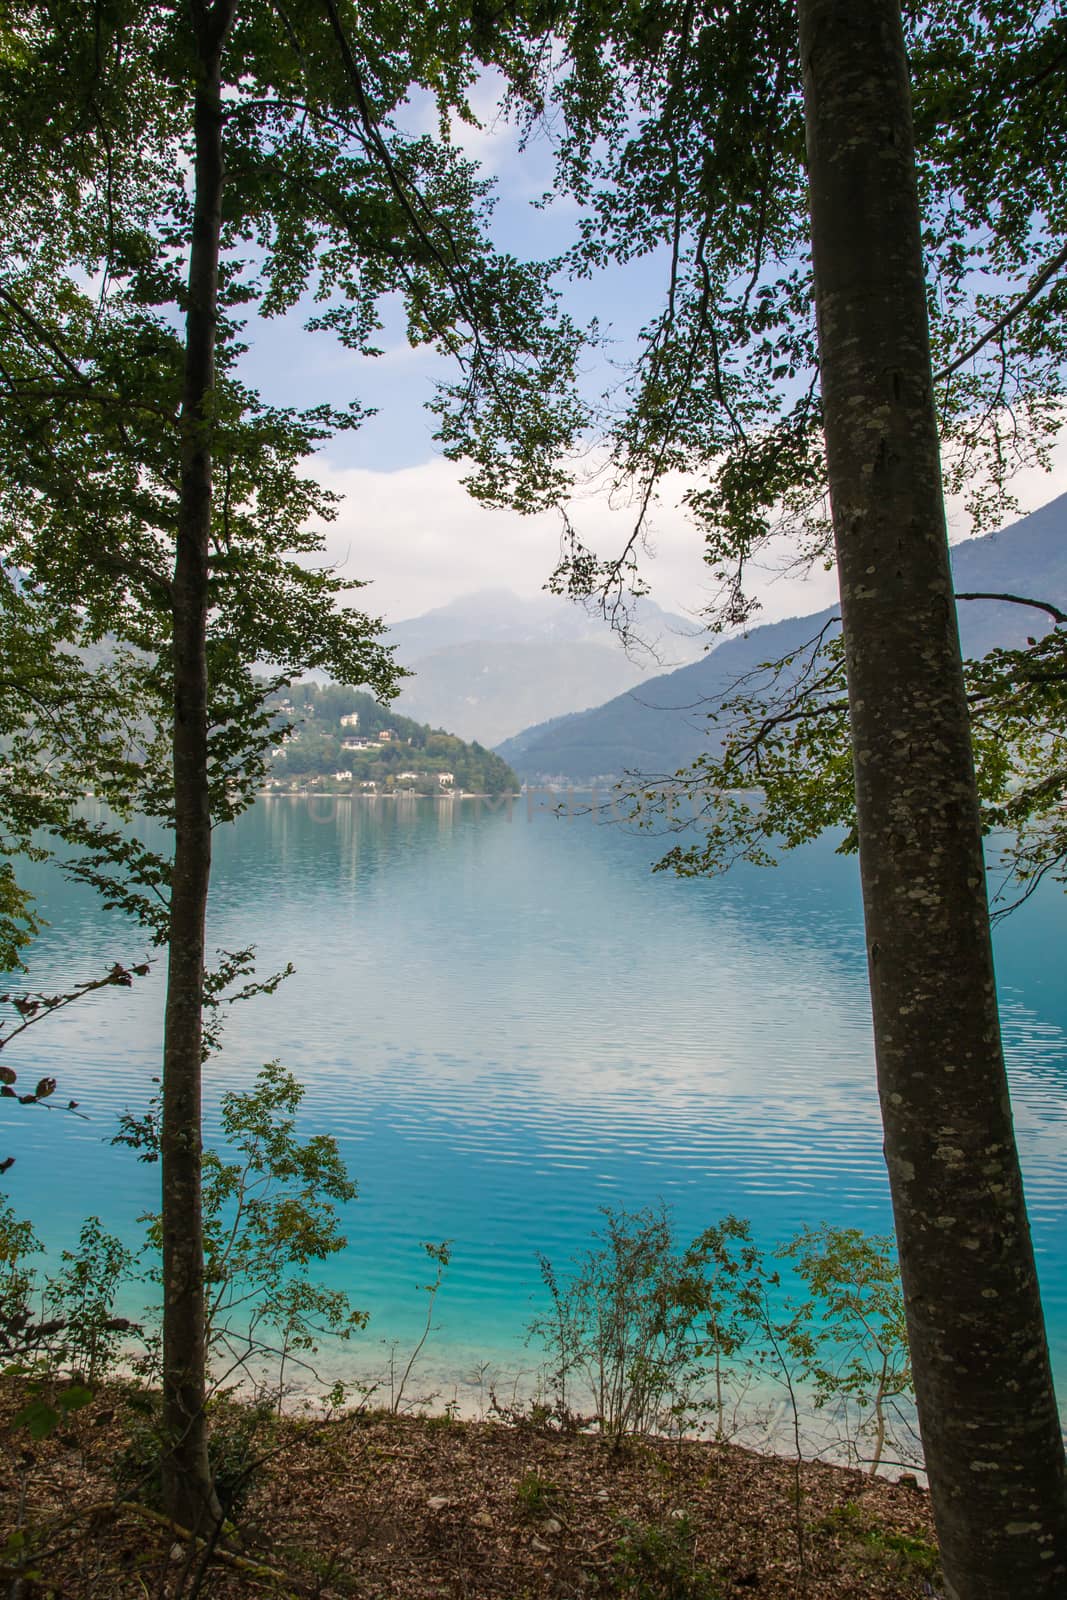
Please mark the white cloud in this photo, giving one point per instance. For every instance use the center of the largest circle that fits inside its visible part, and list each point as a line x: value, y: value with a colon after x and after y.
x: 1032, y: 486
x: 423, y: 541
x: 491, y: 140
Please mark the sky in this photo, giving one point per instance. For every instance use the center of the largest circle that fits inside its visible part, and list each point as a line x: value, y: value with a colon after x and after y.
x: 407, y: 524
x: 415, y: 532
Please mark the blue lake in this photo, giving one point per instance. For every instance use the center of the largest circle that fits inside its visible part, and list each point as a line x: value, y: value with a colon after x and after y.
x: 509, y: 1021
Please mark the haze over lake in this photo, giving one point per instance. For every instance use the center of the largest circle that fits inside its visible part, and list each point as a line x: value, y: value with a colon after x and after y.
x: 508, y: 1021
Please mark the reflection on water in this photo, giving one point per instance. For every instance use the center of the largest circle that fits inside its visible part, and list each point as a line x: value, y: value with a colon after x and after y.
x: 509, y: 1021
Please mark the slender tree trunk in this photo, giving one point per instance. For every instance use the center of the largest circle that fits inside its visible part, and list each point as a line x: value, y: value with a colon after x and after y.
x: 986, y: 1405
x: 188, y: 1490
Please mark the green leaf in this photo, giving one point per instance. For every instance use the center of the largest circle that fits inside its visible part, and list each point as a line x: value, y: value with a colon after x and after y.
x: 75, y: 1398
x: 38, y: 1418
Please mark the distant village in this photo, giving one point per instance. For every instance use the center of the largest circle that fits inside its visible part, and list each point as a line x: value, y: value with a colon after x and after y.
x: 339, y: 741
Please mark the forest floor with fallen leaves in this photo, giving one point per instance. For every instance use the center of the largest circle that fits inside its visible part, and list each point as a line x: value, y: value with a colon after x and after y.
x: 415, y: 1508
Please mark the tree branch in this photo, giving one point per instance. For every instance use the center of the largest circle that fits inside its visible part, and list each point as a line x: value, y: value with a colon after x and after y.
x: 1058, y: 616
x: 1048, y: 271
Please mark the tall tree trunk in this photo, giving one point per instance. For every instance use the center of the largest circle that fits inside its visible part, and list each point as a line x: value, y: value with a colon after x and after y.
x: 986, y: 1404
x: 188, y: 1490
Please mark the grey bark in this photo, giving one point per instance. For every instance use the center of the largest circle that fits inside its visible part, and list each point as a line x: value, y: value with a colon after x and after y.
x: 986, y: 1404
x: 188, y: 1492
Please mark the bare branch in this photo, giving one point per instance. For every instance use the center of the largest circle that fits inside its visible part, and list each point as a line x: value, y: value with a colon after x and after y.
x: 1058, y: 616
x: 1048, y: 271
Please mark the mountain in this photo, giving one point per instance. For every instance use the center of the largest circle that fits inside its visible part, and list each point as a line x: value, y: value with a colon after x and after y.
x: 499, y: 616
x: 663, y: 725
x: 491, y: 663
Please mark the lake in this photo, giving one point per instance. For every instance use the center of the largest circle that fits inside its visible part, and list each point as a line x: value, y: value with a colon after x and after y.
x: 508, y: 1021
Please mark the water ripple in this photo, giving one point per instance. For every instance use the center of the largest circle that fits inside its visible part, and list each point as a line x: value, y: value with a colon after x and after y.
x: 506, y: 1026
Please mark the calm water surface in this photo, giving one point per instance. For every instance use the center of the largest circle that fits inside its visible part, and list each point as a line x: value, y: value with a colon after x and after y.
x: 508, y: 1022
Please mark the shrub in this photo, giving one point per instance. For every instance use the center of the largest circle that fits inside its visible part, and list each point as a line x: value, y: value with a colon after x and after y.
x: 240, y: 1440
x: 21, y: 1332
x: 658, y: 1337
x: 81, y: 1297
x: 270, y: 1208
x: 658, y: 1562
x: 635, y: 1323
x: 857, y: 1358
x: 537, y: 1496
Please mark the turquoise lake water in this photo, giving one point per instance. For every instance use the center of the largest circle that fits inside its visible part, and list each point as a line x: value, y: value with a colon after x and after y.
x: 510, y: 1021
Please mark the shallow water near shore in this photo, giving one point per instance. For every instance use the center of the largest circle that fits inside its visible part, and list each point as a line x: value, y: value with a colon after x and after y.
x: 507, y: 1021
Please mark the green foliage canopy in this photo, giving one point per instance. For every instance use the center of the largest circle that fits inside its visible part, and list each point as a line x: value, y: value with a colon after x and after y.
x: 328, y: 203
x: 680, y: 135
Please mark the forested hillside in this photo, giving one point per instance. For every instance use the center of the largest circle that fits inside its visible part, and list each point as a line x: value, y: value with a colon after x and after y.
x: 335, y: 738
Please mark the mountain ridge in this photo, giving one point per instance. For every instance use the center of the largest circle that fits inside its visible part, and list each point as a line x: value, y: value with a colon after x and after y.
x: 663, y: 726
x: 490, y: 663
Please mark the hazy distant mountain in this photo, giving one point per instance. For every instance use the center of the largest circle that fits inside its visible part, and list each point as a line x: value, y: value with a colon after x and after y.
x: 491, y: 663
x: 663, y: 725
x: 499, y: 616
